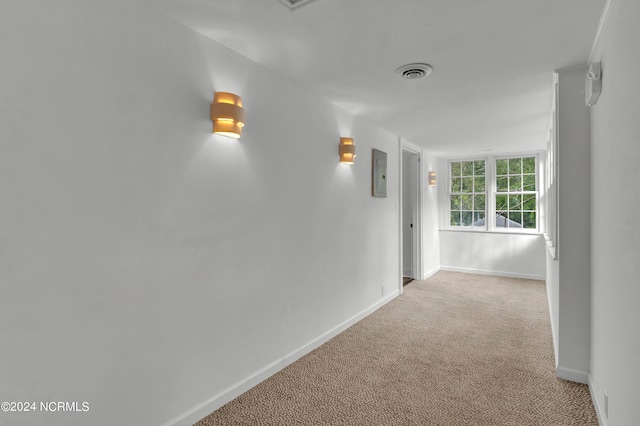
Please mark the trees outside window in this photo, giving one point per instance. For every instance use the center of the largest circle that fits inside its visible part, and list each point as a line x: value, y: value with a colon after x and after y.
x: 467, y: 197
x: 516, y: 196
x: 503, y: 188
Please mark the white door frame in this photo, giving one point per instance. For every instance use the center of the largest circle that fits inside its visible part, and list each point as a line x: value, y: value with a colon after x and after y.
x: 417, y: 246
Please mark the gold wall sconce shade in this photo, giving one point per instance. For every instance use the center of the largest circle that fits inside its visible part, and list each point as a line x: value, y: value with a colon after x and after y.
x: 347, y: 151
x: 432, y: 179
x: 227, y: 114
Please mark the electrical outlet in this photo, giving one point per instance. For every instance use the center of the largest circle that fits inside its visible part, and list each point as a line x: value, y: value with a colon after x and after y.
x: 606, y: 404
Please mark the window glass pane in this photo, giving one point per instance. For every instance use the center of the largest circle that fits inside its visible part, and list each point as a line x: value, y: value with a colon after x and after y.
x: 529, y: 202
x: 501, y: 202
x: 478, y: 218
x: 515, y: 166
x: 467, y: 168
x: 515, y: 183
x: 455, y: 184
x: 467, y: 202
x: 529, y: 165
x: 502, y: 183
x: 515, y: 220
x: 515, y: 195
x: 455, y: 169
x: 529, y: 182
x: 467, y: 184
x: 501, y: 219
x: 467, y: 180
x: 478, y: 167
x: 456, y: 202
x: 467, y: 218
x: 502, y: 167
x: 529, y: 219
x: 515, y: 202
x: 517, y: 210
x: 455, y: 218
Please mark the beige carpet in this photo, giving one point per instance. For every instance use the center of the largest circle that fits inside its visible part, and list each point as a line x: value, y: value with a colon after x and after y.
x: 456, y: 349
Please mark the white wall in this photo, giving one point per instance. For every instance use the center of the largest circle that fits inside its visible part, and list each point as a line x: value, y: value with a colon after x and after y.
x: 512, y: 255
x: 430, y: 217
x: 148, y: 266
x: 615, y: 250
x: 572, y: 282
x: 553, y: 297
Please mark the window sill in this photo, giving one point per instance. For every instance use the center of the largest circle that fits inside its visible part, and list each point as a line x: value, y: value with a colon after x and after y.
x: 494, y: 231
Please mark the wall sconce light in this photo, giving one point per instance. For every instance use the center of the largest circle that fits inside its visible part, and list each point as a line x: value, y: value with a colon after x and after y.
x: 227, y: 114
x: 432, y: 179
x: 347, y: 151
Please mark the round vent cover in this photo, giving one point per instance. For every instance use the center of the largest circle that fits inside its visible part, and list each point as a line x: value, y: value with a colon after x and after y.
x: 414, y: 71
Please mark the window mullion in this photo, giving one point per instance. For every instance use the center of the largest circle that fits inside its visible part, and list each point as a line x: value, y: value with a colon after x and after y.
x: 491, y: 194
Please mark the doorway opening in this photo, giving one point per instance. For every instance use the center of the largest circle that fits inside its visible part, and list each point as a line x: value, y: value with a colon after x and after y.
x: 410, y: 214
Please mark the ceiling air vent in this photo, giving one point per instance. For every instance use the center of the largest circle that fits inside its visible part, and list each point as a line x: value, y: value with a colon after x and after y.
x: 414, y: 71
x: 292, y: 4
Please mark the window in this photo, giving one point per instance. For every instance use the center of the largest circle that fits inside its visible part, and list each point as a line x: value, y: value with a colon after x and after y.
x: 467, y: 193
x: 504, y: 189
x: 516, y: 197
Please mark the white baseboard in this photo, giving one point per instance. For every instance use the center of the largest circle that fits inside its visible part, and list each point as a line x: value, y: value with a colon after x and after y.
x: 431, y: 273
x: 491, y: 272
x: 572, y: 375
x: 207, y: 407
x: 602, y: 419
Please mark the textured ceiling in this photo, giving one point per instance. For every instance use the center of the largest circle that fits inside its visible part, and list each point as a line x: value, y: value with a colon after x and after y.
x: 493, y: 60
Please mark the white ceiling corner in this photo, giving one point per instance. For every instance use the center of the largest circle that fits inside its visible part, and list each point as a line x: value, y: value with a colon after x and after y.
x: 493, y: 60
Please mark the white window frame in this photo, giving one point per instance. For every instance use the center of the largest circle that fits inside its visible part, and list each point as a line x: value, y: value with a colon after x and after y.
x: 449, y: 193
x: 491, y: 192
x: 536, y: 192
